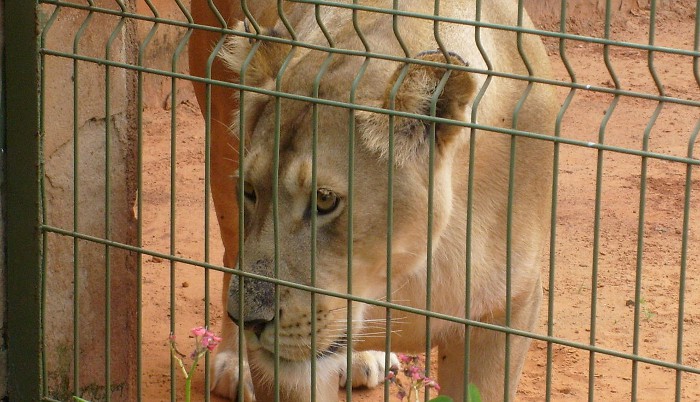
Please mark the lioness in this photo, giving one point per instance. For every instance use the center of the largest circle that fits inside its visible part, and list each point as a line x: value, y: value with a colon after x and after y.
x: 216, y: 106
x: 504, y: 248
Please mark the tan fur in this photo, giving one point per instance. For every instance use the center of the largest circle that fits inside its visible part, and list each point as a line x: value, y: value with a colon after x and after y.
x: 449, y: 90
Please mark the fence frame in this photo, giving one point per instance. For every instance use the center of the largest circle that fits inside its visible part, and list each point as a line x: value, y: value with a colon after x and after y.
x: 24, y: 276
x: 22, y: 120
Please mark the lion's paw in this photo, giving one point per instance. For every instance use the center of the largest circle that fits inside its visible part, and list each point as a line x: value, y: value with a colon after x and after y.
x: 226, y: 377
x: 367, y: 369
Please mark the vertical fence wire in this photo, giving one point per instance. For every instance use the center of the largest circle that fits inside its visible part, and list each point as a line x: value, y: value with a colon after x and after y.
x: 431, y: 192
x: 42, y: 127
x: 240, y: 191
x: 275, y: 200
x: 598, y: 204
x: 684, y: 256
x: 470, y: 196
x: 390, y: 210
x: 207, y: 185
x: 314, y: 214
x: 76, y: 204
x: 351, y: 183
x: 555, y: 194
x: 241, y: 195
x: 638, y: 298
x: 686, y: 219
x: 182, y: 43
x: 108, y: 205
x: 139, y: 196
x: 390, y: 187
x: 511, y: 200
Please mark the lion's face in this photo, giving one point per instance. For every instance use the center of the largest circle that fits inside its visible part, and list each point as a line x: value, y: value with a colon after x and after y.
x: 295, y: 222
x: 304, y: 232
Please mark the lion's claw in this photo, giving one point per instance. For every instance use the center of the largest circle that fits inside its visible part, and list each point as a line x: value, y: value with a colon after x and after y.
x: 367, y: 369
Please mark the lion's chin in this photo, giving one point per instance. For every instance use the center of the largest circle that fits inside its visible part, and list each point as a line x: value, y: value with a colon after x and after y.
x: 295, y: 374
x: 293, y: 354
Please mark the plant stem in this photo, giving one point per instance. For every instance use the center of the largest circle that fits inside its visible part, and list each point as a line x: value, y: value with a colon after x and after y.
x: 190, y: 374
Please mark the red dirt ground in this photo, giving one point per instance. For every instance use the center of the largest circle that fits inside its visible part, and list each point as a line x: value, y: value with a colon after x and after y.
x: 621, y: 177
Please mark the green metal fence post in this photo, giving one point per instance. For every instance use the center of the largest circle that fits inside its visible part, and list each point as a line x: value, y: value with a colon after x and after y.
x: 23, y: 203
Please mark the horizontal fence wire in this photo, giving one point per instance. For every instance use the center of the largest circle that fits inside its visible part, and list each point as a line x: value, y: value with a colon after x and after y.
x: 511, y: 28
x: 345, y: 105
x: 381, y: 56
x: 393, y: 306
x: 572, y: 85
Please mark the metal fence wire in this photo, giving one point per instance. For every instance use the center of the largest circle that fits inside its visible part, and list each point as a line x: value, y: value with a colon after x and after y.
x: 113, y: 237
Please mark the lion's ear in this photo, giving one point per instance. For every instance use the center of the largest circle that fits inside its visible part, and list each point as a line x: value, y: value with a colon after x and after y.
x: 418, y: 87
x: 266, y: 61
x: 416, y: 93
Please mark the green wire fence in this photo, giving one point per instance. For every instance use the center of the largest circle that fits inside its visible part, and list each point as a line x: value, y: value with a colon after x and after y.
x: 99, y: 214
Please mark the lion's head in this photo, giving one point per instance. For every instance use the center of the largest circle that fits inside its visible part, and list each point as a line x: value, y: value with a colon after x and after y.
x: 308, y: 234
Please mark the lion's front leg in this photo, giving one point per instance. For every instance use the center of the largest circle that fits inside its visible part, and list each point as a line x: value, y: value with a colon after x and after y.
x: 325, y: 391
x: 295, y: 381
x: 227, y: 377
x: 487, y: 357
x: 225, y: 366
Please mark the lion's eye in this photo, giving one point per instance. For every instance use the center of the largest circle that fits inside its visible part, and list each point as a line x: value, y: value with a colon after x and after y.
x: 249, y: 191
x: 326, y: 201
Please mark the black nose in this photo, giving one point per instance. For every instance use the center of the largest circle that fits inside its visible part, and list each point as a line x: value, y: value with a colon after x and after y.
x: 258, y: 301
x: 255, y: 326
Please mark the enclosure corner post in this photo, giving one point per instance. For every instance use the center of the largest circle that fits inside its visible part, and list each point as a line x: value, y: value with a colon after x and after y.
x: 23, y: 275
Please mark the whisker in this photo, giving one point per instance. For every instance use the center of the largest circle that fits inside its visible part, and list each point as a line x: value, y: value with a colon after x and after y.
x: 237, y: 137
x: 393, y: 319
x: 363, y: 329
x: 372, y: 321
x: 374, y: 332
x: 220, y: 122
x: 343, y: 324
x: 373, y: 335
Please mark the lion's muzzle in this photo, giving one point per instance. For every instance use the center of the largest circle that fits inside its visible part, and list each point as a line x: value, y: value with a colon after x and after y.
x: 258, y: 307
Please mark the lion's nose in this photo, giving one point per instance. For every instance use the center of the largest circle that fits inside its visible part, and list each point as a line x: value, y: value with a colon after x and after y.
x: 255, y: 326
x: 258, y: 303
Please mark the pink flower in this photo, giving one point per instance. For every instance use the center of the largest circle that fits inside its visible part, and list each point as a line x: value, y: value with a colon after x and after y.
x: 430, y: 383
x: 412, y: 369
x: 405, y: 359
x: 401, y: 394
x: 210, y: 341
x: 415, y: 373
x: 199, y: 331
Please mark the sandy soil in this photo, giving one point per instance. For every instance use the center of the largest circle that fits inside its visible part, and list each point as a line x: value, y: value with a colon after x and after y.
x: 572, y: 282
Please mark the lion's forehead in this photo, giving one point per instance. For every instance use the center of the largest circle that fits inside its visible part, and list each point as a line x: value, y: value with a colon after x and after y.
x: 296, y: 176
x: 297, y: 163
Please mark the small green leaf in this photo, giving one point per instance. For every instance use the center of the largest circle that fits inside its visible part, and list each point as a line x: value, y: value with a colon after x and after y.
x: 474, y: 395
x: 79, y: 399
x: 442, y: 398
